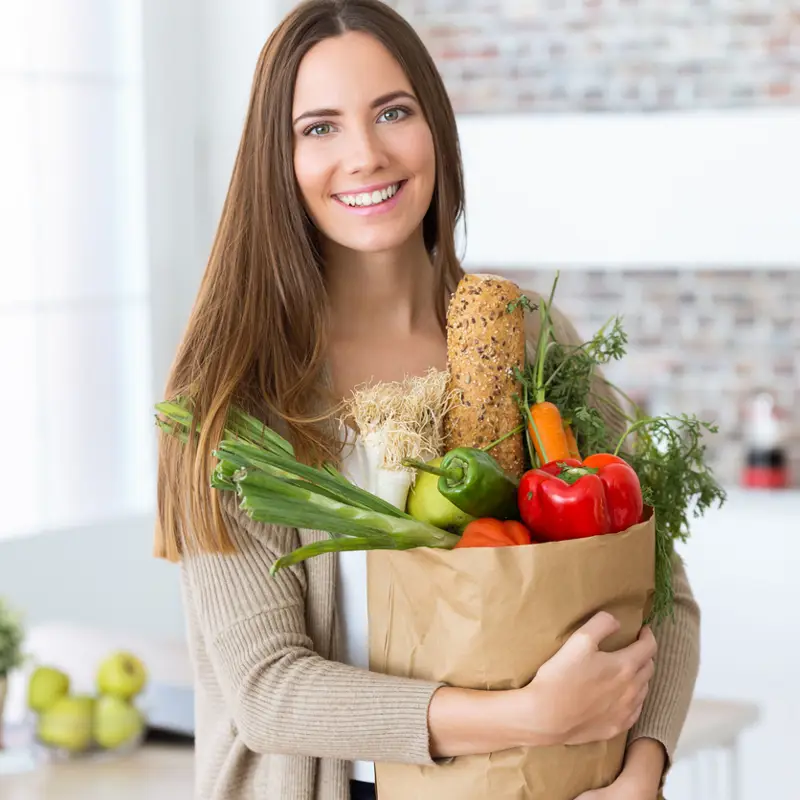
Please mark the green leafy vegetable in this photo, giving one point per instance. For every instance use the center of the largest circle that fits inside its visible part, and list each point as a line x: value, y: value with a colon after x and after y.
x: 668, y: 453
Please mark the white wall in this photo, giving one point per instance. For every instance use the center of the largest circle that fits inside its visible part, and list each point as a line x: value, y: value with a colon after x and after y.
x: 103, y: 577
x: 707, y: 189
x: 230, y: 43
x: 198, y: 68
x: 199, y: 60
x: 171, y: 55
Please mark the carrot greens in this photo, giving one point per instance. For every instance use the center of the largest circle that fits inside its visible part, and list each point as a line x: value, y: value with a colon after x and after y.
x: 668, y: 453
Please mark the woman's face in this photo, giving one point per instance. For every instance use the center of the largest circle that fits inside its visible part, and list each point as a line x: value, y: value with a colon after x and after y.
x: 363, y: 153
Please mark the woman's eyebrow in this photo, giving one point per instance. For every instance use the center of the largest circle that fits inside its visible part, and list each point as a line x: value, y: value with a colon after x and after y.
x: 378, y: 101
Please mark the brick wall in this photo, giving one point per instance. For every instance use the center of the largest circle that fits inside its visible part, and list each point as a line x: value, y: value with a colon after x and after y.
x: 699, y: 342
x: 612, y: 55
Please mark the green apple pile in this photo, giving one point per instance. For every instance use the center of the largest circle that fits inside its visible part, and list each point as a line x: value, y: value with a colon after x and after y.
x: 78, y: 722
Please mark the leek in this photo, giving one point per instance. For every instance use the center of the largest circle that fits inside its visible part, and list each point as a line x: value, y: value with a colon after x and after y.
x: 274, y: 463
x: 274, y: 487
x: 269, y: 499
x: 330, y: 546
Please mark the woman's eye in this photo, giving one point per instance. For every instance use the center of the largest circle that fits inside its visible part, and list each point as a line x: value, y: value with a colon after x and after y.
x: 320, y: 129
x: 394, y: 114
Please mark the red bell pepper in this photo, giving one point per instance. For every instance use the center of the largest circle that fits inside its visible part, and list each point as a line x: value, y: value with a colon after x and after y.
x: 487, y: 532
x: 572, y: 499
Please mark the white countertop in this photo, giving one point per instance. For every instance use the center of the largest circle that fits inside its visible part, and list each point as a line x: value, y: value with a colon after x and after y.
x: 742, y: 563
x: 165, y: 772
x: 155, y: 772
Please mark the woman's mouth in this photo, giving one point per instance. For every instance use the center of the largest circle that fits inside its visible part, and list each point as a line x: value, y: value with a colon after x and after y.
x: 377, y: 201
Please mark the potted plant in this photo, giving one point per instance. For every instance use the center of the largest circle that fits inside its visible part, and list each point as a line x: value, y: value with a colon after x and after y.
x: 12, y: 636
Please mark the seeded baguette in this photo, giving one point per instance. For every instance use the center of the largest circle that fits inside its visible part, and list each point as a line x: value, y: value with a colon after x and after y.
x: 485, y: 342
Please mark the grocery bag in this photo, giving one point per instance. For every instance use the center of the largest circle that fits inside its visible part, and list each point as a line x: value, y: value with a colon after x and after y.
x: 488, y: 618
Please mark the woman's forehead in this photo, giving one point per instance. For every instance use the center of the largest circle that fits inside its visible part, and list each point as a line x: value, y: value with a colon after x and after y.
x: 347, y: 72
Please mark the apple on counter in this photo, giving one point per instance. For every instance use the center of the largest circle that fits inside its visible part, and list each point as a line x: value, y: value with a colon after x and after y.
x: 67, y: 723
x: 46, y: 685
x: 116, y: 722
x: 77, y: 723
x: 121, y: 675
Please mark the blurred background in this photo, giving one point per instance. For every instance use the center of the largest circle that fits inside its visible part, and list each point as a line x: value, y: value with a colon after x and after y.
x: 646, y: 149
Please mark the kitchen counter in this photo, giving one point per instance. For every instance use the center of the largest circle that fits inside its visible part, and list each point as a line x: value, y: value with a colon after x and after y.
x: 155, y: 772
x: 165, y: 772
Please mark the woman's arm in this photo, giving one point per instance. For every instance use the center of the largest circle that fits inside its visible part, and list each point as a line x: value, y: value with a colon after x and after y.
x: 677, y: 666
x: 678, y: 638
x: 582, y: 694
x: 468, y: 721
x: 283, y: 697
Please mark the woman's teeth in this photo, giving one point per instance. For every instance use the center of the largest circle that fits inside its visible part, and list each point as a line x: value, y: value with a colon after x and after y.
x: 370, y: 198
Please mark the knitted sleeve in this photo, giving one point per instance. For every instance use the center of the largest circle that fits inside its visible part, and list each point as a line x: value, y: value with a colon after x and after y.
x: 282, y: 696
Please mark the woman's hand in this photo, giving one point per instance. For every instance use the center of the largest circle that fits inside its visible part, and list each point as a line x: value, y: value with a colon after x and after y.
x: 583, y: 694
x: 621, y: 789
x: 640, y: 778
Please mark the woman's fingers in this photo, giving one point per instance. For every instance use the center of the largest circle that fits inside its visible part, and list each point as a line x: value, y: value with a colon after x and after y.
x: 642, y: 651
x: 645, y: 674
x: 634, y: 717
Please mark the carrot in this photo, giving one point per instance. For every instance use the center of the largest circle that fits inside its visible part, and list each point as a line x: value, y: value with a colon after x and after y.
x: 546, y: 429
x: 572, y: 443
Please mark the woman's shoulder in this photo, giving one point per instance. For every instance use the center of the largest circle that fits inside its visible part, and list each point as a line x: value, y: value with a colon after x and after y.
x: 246, y: 537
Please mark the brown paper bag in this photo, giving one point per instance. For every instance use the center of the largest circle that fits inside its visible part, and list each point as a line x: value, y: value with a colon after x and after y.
x: 488, y: 618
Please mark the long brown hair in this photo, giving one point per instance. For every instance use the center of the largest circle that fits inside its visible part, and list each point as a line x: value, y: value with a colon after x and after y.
x: 256, y: 336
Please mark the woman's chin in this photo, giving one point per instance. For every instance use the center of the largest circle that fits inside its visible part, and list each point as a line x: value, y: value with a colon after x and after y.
x: 376, y: 241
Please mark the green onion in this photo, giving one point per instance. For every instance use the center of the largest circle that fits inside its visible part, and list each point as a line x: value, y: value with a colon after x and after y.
x: 330, y: 546
x: 246, y: 455
x: 240, y: 426
x: 276, y: 488
x: 272, y: 499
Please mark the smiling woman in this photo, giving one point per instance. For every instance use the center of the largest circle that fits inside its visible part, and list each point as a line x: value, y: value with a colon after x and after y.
x: 332, y: 267
x: 370, y: 154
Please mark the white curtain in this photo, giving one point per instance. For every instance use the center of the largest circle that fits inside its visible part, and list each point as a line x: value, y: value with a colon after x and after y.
x: 75, y: 371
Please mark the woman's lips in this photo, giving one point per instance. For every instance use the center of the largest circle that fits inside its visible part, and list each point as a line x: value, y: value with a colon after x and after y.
x: 379, y: 208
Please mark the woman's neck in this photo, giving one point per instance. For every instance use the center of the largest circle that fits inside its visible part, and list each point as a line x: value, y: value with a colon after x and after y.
x: 383, y: 317
x: 390, y: 294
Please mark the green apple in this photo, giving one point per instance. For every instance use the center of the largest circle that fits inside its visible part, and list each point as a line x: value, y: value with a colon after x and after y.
x: 122, y: 675
x: 45, y: 686
x: 427, y: 504
x: 116, y: 721
x: 67, y: 723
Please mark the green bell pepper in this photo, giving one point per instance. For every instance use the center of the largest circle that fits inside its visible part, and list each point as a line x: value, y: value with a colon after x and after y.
x: 474, y: 482
x: 426, y: 503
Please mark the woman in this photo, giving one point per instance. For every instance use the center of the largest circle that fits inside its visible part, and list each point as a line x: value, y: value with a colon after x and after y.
x: 332, y: 266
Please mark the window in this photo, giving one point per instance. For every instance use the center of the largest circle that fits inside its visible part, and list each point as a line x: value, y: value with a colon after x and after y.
x: 75, y: 400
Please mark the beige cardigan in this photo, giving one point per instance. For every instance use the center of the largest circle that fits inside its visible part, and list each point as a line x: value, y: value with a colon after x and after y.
x: 278, y: 717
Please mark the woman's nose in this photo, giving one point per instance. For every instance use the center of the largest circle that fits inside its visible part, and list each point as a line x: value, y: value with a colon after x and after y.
x: 365, y: 152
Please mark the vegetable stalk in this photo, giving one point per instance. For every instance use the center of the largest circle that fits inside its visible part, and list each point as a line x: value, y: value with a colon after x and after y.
x: 548, y: 434
x: 259, y: 465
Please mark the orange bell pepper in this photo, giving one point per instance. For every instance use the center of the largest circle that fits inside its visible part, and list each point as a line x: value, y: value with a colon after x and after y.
x: 486, y: 532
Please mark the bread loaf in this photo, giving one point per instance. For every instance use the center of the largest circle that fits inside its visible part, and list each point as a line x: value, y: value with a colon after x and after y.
x: 485, y: 341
